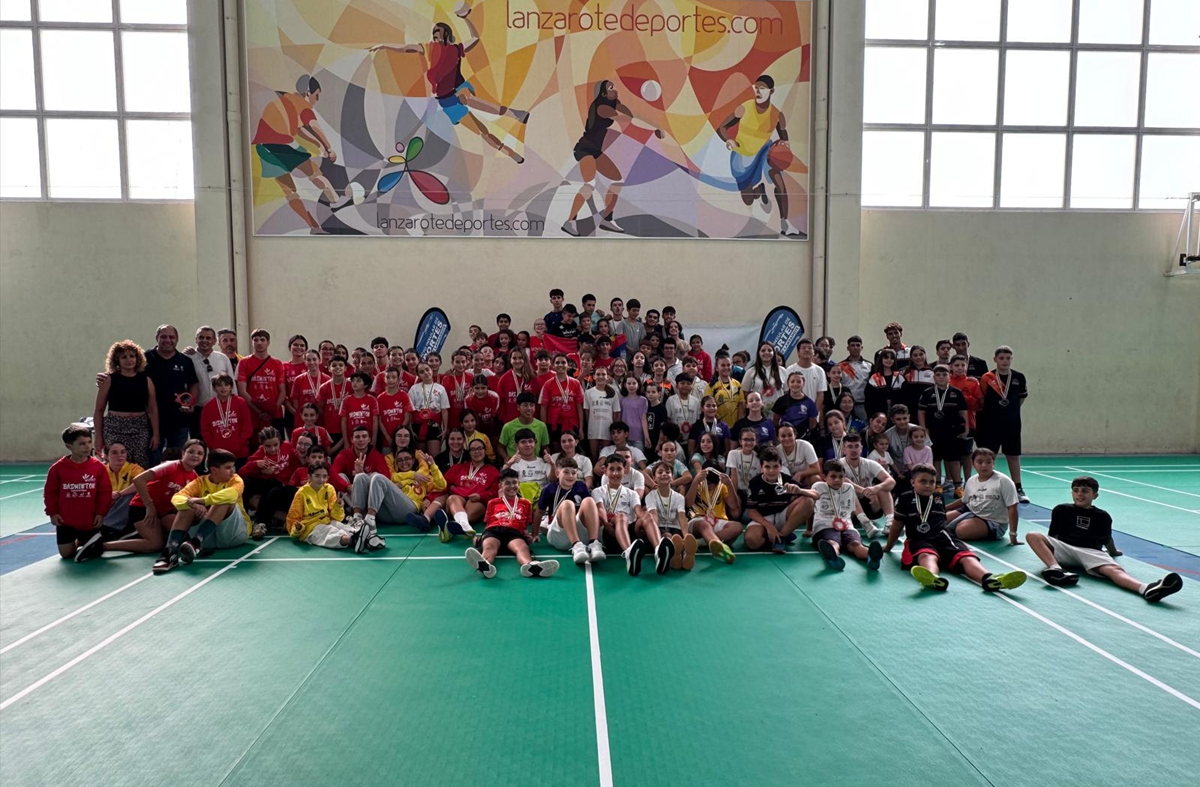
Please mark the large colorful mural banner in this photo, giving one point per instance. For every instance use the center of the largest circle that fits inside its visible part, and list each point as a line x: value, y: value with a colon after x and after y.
x: 530, y: 118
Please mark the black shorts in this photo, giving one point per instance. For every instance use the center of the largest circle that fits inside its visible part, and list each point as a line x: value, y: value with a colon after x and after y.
x: 949, y: 447
x: 504, y: 535
x: 65, y: 534
x: 1002, y: 439
x: 949, y: 549
x: 583, y: 151
x: 869, y: 508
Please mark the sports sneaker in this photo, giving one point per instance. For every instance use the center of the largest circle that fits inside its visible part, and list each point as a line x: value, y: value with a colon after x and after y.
x: 376, y: 541
x: 676, y: 544
x: 359, y: 539
x: 355, y: 520
x: 633, y: 557
x: 189, y: 550
x: 928, y: 579
x: 369, y: 521
x: 596, y: 552
x: 444, y: 534
x: 579, y: 553
x: 418, y: 522
x: 467, y: 529
x: 1006, y: 581
x: 779, y: 548
x: 539, y: 568
x: 167, y: 560
x: 477, y: 563
x: 258, y: 532
x: 571, y: 227
x: 689, y: 552
x: 611, y: 225
x: 874, y: 556
x: 91, y: 548
x: 790, y: 539
x: 720, y: 549
x: 1060, y: 578
x: 1161, y: 588
x: 832, y: 558
x: 663, y: 554
x: 872, y: 530
x: 1022, y: 498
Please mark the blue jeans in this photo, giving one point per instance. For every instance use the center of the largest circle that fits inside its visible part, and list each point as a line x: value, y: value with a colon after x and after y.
x: 173, y: 437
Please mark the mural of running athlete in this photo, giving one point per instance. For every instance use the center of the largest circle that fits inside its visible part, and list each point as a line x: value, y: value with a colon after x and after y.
x: 589, y: 152
x: 454, y: 94
x: 290, y: 116
x: 751, y: 149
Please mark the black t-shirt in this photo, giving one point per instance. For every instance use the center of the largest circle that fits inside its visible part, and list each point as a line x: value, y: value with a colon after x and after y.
x: 563, y: 330
x: 445, y: 460
x: 1001, y: 408
x: 976, y: 367
x: 1089, y: 528
x: 765, y: 497
x: 171, y: 376
x: 949, y: 419
x: 656, y: 416
x: 914, y: 528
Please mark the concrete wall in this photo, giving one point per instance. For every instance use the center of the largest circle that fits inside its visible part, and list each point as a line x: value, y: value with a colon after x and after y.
x: 75, y: 278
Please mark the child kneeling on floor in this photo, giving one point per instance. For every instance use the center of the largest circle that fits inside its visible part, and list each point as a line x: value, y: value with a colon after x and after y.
x: 1077, y: 534
x: 928, y: 547
x: 316, y: 517
x: 833, y: 530
x: 506, y: 522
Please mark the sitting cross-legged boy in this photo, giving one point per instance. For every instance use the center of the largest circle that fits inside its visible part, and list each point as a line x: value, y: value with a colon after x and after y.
x: 715, y: 511
x: 209, y: 514
x: 316, y: 517
x: 566, y: 510
x: 929, y: 548
x: 506, y: 523
x: 620, y: 513
x: 775, y: 507
x: 78, y: 493
x: 833, y: 530
x: 1078, y: 531
x: 668, y: 510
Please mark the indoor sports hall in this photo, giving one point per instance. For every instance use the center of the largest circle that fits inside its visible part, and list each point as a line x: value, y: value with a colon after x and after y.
x: 191, y: 186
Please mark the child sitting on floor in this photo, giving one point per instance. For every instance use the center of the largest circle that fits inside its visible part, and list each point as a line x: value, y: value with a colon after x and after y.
x: 316, y: 516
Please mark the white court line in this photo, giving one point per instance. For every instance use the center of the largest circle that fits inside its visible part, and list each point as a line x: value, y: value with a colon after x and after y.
x: 1139, y: 483
x: 26, y: 492
x: 1119, y: 494
x: 1094, y: 605
x: 25, y: 692
x: 1097, y: 649
x: 602, y: 751
x: 1130, y: 469
x: 360, y: 558
x: 70, y: 615
x: 10, y: 535
x: 19, y: 478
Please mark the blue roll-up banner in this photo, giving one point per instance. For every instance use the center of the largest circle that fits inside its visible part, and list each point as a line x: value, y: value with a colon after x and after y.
x: 432, y: 332
x: 782, y: 328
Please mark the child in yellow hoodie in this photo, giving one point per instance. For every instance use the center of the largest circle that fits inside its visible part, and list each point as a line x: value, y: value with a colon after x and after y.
x: 419, y: 478
x: 208, y: 514
x: 316, y: 517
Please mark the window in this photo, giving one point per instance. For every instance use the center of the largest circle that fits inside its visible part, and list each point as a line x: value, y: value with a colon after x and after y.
x: 95, y: 100
x: 1031, y: 104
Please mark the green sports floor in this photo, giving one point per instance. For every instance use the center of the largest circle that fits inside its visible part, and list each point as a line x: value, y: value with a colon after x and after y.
x: 282, y: 664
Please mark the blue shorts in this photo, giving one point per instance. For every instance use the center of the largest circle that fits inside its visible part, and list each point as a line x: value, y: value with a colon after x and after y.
x: 453, y: 106
x: 749, y: 171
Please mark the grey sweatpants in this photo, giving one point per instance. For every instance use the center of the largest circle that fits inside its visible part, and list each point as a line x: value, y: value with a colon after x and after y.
x: 330, y: 535
x: 377, y: 492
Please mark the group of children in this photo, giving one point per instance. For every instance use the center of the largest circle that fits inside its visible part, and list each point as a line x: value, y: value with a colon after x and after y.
x: 597, y: 431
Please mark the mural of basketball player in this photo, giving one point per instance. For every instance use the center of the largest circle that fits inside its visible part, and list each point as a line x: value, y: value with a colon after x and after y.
x: 752, y: 149
x: 290, y: 116
x: 604, y: 110
x: 454, y: 94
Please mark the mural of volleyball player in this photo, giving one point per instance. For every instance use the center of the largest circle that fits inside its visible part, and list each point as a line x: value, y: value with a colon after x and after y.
x: 750, y: 149
x: 290, y: 116
x: 454, y: 94
x: 589, y: 152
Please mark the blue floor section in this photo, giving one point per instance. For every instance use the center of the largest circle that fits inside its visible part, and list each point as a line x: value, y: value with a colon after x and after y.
x: 21, y: 549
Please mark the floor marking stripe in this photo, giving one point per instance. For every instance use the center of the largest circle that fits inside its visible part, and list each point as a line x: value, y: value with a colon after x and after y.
x: 18, y: 494
x: 70, y: 615
x: 359, y: 558
x: 602, y: 751
x: 19, y: 478
x: 1120, y: 494
x: 25, y: 692
x: 1097, y: 649
x: 1094, y: 605
x: 1139, y: 483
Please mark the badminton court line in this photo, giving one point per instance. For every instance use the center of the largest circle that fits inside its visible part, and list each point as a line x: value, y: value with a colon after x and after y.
x: 25, y: 692
x: 1127, y: 469
x: 602, y: 750
x: 19, y: 478
x: 1139, y: 483
x: 1097, y: 649
x: 1119, y: 494
x: 70, y: 615
x: 1094, y: 605
x: 18, y: 494
x: 360, y: 558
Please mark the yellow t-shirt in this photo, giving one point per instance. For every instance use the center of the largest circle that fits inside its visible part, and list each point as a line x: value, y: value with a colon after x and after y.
x: 729, y: 398
x: 312, y: 507
x: 213, y: 494
x: 708, y: 501
x: 123, y: 478
x: 418, y: 492
x: 755, y: 127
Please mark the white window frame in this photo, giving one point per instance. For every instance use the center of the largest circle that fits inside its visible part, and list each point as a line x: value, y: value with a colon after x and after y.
x: 120, y: 114
x: 931, y: 44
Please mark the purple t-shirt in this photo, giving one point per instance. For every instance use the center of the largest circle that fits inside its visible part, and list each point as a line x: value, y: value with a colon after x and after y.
x: 632, y: 410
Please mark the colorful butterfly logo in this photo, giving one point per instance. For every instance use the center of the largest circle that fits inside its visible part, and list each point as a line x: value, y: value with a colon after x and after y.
x: 429, y: 185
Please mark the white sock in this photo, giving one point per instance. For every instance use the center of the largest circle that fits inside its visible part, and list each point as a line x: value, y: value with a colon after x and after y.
x: 1055, y: 566
x: 1142, y: 588
x: 889, y: 519
x: 461, y: 518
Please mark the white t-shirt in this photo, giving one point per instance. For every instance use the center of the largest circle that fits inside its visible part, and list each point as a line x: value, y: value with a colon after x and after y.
x: 802, y: 457
x: 866, y: 474
x: 884, y: 461
x: 833, y: 503
x: 602, y: 411
x: 622, y: 500
x: 815, y: 382
x: 668, y: 514
x: 683, y: 413
x: 585, y: 465
x: 770, y: 392
x: 636, y: 480
x: 429, y: 397
x: 747, y: 467
x: 990, y: 499
x: 634, y: 451
x: 220, y: 364
x: 534, y: 471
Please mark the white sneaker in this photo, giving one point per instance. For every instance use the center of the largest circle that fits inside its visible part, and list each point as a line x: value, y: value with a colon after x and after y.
x: 477, y: 563
x: 579, y: 553
x: 369, y: 521
x: 355, y: 521
x: 596, y: 552
x: 538, y: 568
x: 611, y: 225
x: 872, y: 530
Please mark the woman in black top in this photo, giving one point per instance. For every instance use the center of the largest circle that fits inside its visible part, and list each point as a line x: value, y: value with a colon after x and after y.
x: 589, y: 152
x: 127, y: 393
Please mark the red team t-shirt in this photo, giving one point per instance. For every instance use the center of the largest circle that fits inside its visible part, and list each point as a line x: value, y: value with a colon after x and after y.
x: 304, y: 390
x: 262, y: 379
x: 487, y: 411
x: 78, y: 491
x: 392, y: 410
x: 500, y: 515
x: 229, y: 426
x: 332, y: 396
x: 322, y: 437
x: 509, y: 388
x: 457, y: 388
x: 169, y: 478
x: 562, y: 400
x: 358, y: 411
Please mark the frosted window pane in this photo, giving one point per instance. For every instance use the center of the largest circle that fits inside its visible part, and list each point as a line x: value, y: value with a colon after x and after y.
x: 156, y: 72
x: 962, y: 169
x: 1175, y: 22
x: 16, y: 70
x: 1170, y: 169
x: 1102, y: 171
x: 1172, y: 85
x: 20, y: 177
x: 160, y: 12
x: 78, y: 71
x: 15, y: 10
x: 1110, y: 21
x: 964, y: 85
x: 159, y: 153
x: 1031, y: 175
x: 1106, y: 88
x: 1035, y: 88
x: 1039, y: 20
x: 83, y: 158
x: 74, y: 10
x: 967, y: 20
x: 892, y: 168
x: 898, y: 19
x: 894, y: 85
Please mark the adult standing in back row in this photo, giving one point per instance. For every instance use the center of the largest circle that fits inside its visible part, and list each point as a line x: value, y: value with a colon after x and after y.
x: 176, y: 387
x: 127, y: 394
